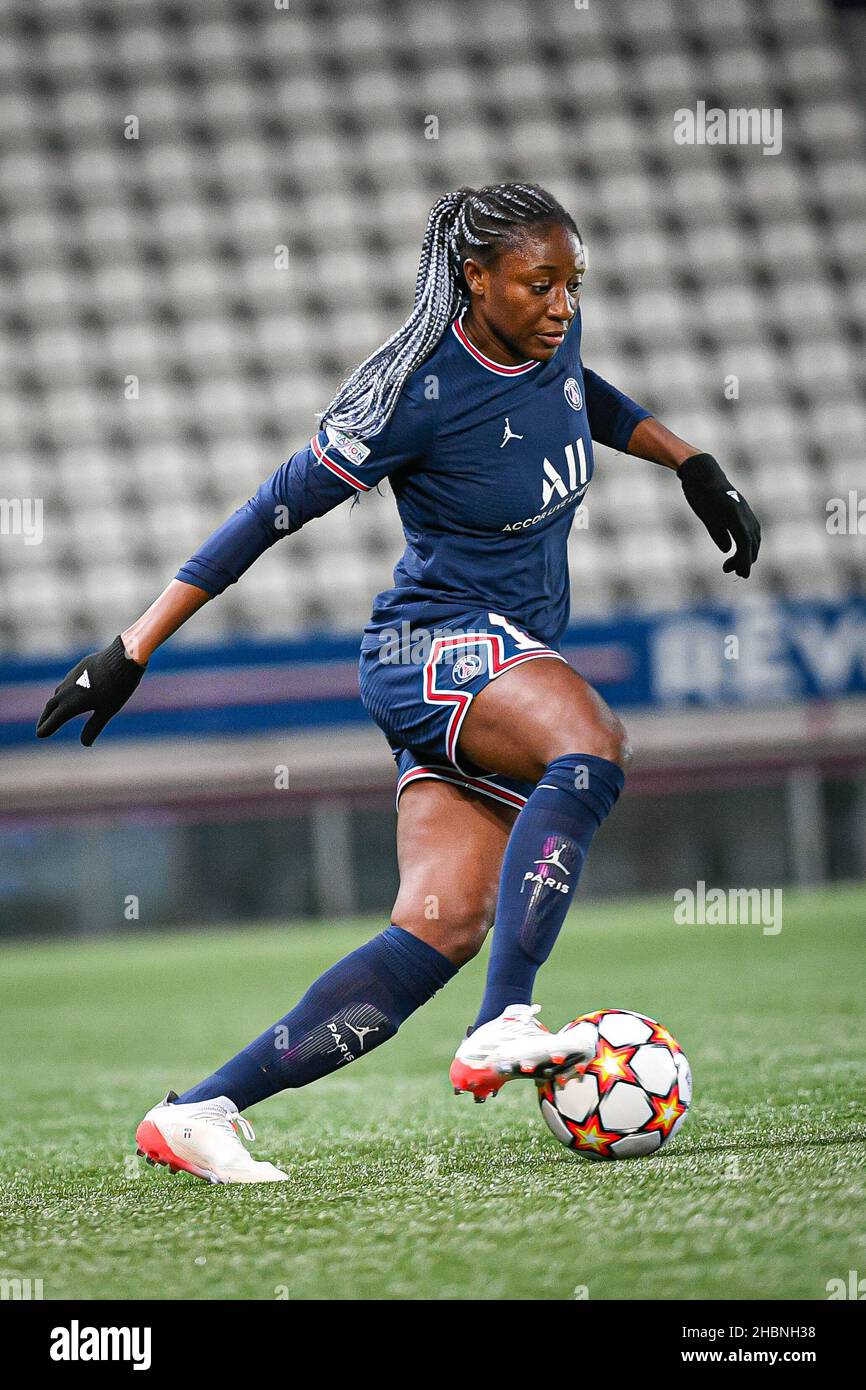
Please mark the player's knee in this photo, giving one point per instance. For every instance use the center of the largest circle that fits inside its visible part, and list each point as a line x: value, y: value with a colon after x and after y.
x: 456, y: 926
x: 466, y: 928
x: 617, y: 743
x: 605, y: 737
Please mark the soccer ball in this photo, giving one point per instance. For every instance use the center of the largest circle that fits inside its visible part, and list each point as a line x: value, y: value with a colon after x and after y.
x: 630, y: 1099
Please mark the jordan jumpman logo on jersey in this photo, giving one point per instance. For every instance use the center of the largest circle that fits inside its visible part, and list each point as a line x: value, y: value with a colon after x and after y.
x: 508, y: 433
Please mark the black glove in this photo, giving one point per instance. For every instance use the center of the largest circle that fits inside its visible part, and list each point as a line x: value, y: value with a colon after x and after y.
x: 724, y: 511
x: 102, y: 682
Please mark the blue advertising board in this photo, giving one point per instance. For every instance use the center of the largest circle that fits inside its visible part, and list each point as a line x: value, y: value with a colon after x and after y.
x: 764, y: 651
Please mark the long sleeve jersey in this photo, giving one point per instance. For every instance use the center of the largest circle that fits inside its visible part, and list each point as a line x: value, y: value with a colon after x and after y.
x: 488, y: 465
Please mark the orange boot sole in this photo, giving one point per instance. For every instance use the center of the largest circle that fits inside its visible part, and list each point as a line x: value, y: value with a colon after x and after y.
x: 152, y: 1145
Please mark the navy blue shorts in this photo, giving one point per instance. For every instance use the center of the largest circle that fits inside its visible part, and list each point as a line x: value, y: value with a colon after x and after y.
x: 418, y: 687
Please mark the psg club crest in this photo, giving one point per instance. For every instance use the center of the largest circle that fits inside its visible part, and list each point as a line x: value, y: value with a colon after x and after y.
x: 467, y: 667
x: 573, y: 394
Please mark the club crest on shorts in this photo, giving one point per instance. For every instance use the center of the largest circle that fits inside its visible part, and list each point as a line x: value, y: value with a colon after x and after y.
x: 467, y: 667
x: 573, y: 394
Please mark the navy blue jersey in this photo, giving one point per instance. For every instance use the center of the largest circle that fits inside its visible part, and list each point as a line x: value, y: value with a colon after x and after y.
x: 488, y: 465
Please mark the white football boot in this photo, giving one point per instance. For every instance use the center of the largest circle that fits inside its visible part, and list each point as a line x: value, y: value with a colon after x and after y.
x: 202, y: 1138
x: 516, y: 1044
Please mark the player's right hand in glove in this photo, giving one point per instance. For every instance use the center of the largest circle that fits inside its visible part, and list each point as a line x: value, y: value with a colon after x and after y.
x: 101, y: 682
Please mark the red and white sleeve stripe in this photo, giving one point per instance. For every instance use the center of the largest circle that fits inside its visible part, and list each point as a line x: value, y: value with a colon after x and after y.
x: 340, y: 469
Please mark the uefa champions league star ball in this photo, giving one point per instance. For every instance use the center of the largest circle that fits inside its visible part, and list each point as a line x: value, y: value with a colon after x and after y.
x: 630, y: 1099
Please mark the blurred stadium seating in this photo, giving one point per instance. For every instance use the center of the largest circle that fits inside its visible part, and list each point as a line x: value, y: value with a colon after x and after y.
x: 154, y: 258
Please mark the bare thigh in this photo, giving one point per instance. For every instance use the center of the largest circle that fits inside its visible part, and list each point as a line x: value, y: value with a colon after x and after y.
x: 536, y: 712
x: 450, y: 844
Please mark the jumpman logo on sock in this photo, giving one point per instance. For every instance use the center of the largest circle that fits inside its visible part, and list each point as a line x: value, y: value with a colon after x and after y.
x: 360, y: 1032
x: 555, y: 860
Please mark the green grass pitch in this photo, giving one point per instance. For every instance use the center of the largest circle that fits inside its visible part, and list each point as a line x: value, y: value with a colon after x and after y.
x: 401, y: 1190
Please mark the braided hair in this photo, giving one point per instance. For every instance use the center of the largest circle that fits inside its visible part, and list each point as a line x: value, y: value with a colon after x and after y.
x: 468, y: 222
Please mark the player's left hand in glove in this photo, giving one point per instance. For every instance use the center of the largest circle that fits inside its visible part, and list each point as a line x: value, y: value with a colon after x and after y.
x: 101, y: 682
x: 724, y: 511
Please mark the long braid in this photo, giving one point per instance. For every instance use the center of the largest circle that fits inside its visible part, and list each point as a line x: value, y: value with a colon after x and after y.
x: 467, y: 222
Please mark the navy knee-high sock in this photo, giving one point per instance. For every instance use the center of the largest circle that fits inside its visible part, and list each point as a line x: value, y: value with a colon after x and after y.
x: 356, y: 1005
x: 543, y: 859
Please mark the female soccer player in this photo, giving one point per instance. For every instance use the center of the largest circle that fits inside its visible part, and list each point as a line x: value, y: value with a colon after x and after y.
x: 482, y: 415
